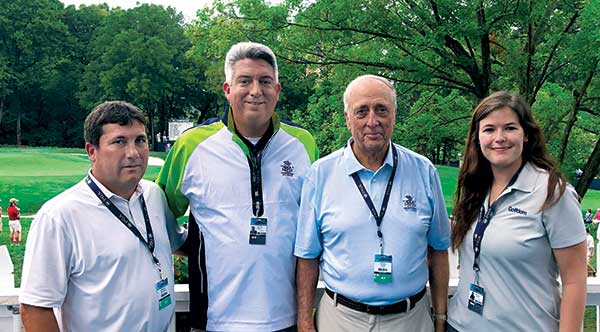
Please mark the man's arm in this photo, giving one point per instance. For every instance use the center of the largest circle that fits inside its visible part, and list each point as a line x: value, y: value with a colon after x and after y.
x: 38, y: 319
x: 307, y: 274
x: 439, y: 276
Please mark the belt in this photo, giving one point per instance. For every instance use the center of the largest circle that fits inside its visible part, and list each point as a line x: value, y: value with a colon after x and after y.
x: 395, y: 308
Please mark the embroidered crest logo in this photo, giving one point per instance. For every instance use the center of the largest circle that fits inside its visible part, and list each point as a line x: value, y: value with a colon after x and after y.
x: 287, y: 169
x: 409, y: 203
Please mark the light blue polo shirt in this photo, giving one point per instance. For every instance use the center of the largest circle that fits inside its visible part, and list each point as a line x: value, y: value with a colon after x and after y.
x: 335, y: 222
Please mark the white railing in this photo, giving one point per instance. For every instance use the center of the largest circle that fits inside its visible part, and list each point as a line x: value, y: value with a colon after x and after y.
x: 12, y: 320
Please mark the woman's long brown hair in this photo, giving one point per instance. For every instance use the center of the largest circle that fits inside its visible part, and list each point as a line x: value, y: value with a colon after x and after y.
x: 475, y: 177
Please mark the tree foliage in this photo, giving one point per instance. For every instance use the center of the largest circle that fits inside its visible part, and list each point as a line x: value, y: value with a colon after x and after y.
x: 443, y: 56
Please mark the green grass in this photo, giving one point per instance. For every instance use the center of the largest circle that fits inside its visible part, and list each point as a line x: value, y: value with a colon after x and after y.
x: 448, y: 177
x: 34, y: 175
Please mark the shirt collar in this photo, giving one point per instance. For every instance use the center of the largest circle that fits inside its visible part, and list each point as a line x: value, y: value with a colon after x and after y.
x: 526, y: 179
x: 352, y: 165
x: 112, y: 196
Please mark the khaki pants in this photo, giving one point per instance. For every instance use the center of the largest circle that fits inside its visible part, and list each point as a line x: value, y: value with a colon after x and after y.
x: 338, y: 318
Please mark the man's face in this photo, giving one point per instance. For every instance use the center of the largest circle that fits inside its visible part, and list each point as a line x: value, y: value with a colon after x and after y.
x: 119, y: 161
x: 370, y: 116
x: 253, y: 94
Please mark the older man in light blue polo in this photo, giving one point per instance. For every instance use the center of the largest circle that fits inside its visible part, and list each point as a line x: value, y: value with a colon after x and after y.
x: 372, y: 215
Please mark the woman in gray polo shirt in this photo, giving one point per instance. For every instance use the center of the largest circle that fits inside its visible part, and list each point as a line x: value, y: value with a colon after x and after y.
x: 518, y: 227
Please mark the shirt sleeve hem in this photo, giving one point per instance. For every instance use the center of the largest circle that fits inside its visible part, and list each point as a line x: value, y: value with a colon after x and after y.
x: 442, y: 246
x: 301, y: 253
x: 568, y: 242
x: 39, y: 302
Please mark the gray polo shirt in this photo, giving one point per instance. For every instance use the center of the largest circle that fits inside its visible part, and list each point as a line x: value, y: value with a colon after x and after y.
x: 518, y: 269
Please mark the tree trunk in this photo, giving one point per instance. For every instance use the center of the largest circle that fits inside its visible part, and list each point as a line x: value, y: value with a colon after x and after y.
x: 578, y: 96
x: 482, y: 84
x: 19, y: 127
x: 151, y: 112
x: 589, y: 171
x: 2, y: 108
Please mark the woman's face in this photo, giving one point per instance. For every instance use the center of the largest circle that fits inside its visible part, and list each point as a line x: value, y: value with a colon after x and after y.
x: 501, y: 140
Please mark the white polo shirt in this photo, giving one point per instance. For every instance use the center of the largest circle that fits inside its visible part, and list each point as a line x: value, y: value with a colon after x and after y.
x: 251, y: 288
x: 80, y: 258
x: 518, y: 270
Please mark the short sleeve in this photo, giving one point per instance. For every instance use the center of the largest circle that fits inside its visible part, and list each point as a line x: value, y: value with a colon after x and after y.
x: 308, y: 236
x: 439, y: 229
x: 47, y: 263
x: 171, y: 176
x: 563, y: 221
x: 177, y: 234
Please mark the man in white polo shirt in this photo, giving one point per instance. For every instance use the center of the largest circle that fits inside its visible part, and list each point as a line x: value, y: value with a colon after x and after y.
x: 241, y: 176
x: 100, y: 252
x: 372, y: 215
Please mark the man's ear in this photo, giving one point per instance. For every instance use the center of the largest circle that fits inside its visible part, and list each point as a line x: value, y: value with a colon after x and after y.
x: 347, y: 119
x: 91, y: 150
x: 226, y: 88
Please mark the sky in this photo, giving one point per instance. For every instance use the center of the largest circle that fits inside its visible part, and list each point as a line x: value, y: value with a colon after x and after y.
x: 188, y: 7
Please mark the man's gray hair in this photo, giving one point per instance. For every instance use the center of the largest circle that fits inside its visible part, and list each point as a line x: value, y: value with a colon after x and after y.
x: 249, y: 50
x: 364, y: 77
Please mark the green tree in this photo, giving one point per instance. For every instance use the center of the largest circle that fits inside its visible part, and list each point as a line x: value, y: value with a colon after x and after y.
x: 139, y: 55
x: 214, y: 32
x: 31, y: 36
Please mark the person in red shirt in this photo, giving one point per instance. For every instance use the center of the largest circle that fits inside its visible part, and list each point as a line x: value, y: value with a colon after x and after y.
x: 14, y: 222
x: 597, y: 217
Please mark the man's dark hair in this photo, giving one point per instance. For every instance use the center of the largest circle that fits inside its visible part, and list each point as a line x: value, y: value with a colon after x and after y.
x: 119, y: 112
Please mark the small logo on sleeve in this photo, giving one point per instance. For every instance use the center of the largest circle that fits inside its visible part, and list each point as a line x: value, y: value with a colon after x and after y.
x: 287, y: 169
x: 409, y: 203
x: 517, y: 210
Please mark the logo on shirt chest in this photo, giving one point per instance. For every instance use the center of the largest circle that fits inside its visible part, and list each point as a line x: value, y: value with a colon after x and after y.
x: 409, y: 203
x: 287, y: 169
x: 517, y: 210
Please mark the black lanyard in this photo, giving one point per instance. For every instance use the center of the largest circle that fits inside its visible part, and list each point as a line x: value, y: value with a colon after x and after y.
x: 254, y: 162
x: 125, y: 221
x: 386, y: 197
x: 482, y: 224
x: 484, y: 220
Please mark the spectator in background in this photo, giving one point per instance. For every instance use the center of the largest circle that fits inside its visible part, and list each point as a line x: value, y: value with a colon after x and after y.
x: 590, y: 254
x: 597, y: 217
x: 588, y: 217
x: 14, y: 222
x: 590, y: 245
